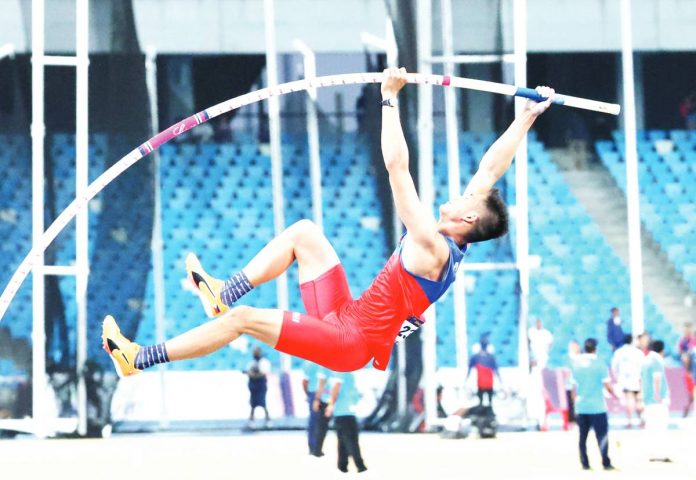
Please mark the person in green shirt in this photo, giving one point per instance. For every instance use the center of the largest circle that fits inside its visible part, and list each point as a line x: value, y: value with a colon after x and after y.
x: 591, y: 377
x: 344, y: 398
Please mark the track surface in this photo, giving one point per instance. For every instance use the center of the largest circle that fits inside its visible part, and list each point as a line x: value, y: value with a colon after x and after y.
x: 276, y: 455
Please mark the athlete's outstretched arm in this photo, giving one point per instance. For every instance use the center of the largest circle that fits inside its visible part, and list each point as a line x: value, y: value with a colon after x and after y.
x: 499, y: 157
x: 419, y: 220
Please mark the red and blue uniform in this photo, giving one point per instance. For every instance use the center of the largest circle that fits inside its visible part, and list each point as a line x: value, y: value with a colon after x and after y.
x: 342, y: 333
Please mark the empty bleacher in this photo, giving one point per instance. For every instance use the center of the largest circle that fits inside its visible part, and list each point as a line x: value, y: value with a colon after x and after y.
x: 217, y: 202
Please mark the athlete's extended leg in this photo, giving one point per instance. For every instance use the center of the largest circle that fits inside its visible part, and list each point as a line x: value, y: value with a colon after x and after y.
x: 129, y: 358
x: 303, y: 241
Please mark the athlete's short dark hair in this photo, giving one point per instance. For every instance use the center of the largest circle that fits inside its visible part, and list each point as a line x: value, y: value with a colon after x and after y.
x: 590, y: 345
x: 493, y: 223
x: 628, y: 339
x: 657, y: 346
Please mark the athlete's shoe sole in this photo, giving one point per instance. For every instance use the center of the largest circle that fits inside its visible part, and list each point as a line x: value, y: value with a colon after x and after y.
x: 121, y: 350
x: 207, y: 288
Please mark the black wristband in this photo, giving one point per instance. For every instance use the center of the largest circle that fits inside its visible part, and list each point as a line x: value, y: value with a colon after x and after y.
x: 389, y: 102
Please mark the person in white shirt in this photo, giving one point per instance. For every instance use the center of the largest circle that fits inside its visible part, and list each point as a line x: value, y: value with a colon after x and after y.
x: 626, y: 365
x: 540, y: 341
x: 657, y: 399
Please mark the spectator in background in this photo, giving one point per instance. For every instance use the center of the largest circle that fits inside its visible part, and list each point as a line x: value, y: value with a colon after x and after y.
x: 687, y: 341
x: 258, y: 370
x: 540, y: 341
x: 315, y: 386
x: 314, y: 383
x: 615, y: 333
x: 483, y: 360
x: 685, y: 347
x: 626, y: 365
x: 656, y: 397
x: 573, y: 352
x: 440, y: 409
x: 690, y: 379
x: 591, y: 379
x: 342, y: 403
x: 644, y: 342
x: 687, y: 109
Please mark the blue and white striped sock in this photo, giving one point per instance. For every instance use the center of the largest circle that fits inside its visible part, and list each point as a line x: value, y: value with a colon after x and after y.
x: 235, y: 288
x: 151, y: 355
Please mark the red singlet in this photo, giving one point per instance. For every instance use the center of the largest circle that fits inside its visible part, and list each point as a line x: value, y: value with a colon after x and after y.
x: 342, y: 334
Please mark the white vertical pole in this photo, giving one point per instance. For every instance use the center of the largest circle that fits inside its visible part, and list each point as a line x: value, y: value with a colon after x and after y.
x: 521, y: 183
x: 632, y: 189
x: 427, y: 195
x: 82, y: 218
x: 276, y: 152
x: 310, y: 71
x: 454, y: 179
x: 401, y: 400
x: 157, y: 245
x: 38, y: 132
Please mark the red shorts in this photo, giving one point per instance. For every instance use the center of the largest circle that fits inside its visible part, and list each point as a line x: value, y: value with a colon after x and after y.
x: 322, y: 336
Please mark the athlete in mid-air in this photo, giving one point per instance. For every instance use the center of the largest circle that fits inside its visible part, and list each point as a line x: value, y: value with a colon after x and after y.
x: 337, y: 331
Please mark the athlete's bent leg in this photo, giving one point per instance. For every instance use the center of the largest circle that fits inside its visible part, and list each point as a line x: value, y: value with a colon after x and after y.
x: 302, y: 241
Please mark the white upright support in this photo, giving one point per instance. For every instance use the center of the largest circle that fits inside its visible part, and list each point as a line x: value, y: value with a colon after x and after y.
x: 427, y: 196
x: 389, y: 46
x: 157, y: 245
x: 454, y: 179
x: 38, y: 131
x: 43, y: 424
x: 310, y: 71
x: 401, y: 400
x: 521, y: 184
x: 82, y: 217
x: 276, y: 152
x: 635, y: 254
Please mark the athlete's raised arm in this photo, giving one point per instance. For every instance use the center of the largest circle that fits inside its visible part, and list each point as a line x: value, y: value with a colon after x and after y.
x: 498, y: 158
x: 419, y: 220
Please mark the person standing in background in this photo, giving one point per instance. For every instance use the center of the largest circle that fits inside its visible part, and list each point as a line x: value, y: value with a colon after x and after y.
x: 573, y: 352
x: 540, y: 341
x: 591, y: 379
x: 687, y: 109
x: 320, y: 405
x: 615, y: 333
x: 686, y: 347
x: 626, y: 365
x: 656, y: 398
x: 313, y: 384
x: 687, y: 341
x: 483, y: 360
x: 644, y: 343
x: 258, y: 370
x: 342, y: 402
x: 689, y: 360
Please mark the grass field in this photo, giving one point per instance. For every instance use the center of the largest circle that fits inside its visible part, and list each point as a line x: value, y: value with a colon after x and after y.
x: 283, y: 455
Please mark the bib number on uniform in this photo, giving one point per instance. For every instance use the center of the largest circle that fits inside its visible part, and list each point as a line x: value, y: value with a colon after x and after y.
x: 410, y: 325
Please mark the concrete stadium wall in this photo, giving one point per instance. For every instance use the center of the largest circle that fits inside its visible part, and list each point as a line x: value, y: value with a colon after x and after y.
x: 236, y: 26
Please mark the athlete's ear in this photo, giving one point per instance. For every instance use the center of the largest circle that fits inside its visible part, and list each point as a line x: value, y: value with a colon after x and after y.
x: 471, y: 217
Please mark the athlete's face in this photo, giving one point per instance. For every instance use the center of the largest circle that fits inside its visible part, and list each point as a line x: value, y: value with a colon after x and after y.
x: 463, y: 208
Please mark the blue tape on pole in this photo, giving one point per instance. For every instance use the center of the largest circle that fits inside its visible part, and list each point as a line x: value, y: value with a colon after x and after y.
x: 534, y: 95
